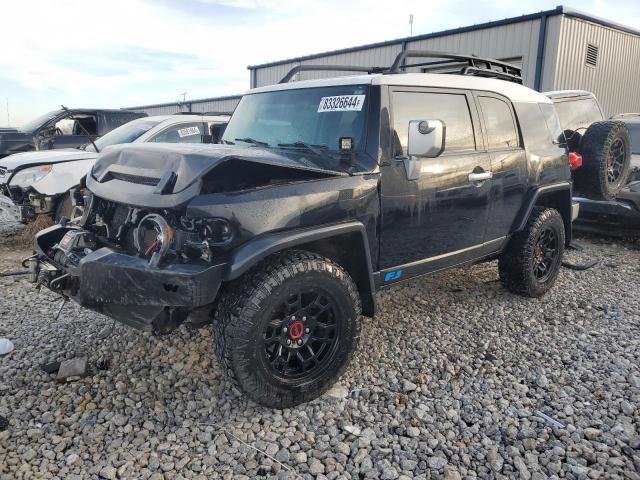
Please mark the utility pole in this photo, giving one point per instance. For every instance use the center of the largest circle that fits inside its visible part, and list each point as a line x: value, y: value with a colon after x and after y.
x: 411, y: 24
x: 8, y: 119
x: 184, y: 98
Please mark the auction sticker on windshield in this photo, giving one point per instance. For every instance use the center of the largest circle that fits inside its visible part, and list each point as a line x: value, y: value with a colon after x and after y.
x: 188, y: 131
x: 341, y: 103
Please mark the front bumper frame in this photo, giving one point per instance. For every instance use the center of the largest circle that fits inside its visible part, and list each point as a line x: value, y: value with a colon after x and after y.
x: 126, y: 288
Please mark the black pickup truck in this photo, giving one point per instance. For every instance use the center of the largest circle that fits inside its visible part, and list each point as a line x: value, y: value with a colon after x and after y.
x: 607, y: 184
x: 63, y: 129
x: 323, y: 193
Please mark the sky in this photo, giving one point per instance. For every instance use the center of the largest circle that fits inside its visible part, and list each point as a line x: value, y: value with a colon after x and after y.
x: 119, y: 53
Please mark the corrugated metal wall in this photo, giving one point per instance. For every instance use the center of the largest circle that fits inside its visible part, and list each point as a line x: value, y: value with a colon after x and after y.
x: 215, y: 105
x: 503, y: 42
x: 515, y: 41
x: 614, y: 79
x: 378, y: 57
x: 221, y: 104
x: 157, y: 110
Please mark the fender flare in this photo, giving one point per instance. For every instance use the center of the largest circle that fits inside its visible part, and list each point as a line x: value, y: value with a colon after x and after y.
x: 251, y: 253
x: 532, y: 200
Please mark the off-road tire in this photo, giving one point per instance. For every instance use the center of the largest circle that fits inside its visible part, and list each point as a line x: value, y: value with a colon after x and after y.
x: 246, y: 307
x: 516, y: 266
x: 596, y: 146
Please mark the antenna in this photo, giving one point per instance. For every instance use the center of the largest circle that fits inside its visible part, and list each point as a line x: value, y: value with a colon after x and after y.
x: 411, y: 24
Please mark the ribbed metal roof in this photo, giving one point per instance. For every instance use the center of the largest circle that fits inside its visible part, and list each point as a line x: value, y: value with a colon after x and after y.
x: 559, y: 10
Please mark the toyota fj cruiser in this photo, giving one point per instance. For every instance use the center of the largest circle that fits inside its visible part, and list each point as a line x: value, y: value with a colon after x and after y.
x: 322, y: 193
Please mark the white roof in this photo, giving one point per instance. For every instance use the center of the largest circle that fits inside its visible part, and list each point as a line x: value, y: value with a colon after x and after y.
x: 188, y: 117
x: 511, y: 90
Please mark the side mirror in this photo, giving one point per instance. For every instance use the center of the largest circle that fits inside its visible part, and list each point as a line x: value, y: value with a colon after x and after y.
x: 426, y: 138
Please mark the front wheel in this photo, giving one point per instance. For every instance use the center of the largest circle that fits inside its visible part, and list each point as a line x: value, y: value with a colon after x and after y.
x: 531, y: 262
x: 287, y: 329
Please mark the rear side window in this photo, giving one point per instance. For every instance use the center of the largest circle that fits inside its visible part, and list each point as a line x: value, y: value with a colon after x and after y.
x: 553, y: 123
x: 535, y: 131
x: 577, y: 115
x: 183, y: 133
x: 498, y: 120
x: 451, y: 108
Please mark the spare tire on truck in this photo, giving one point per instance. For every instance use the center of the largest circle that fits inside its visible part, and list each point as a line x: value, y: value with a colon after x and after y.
x: 606, y: 159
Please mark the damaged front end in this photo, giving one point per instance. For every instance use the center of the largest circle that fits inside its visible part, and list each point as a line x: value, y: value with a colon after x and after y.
x: 161, y: 258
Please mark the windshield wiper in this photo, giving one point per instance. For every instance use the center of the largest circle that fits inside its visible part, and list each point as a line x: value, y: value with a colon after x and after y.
x: 252, y: 141
x: 318, y: 150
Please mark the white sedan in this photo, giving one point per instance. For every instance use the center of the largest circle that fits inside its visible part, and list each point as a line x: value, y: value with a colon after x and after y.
x: 35, y: 183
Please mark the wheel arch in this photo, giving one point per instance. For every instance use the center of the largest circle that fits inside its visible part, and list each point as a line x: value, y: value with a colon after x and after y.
x: 557, y: 196
x: 345, y: 243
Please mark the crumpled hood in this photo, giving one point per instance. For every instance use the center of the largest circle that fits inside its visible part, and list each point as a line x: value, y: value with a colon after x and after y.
x: 18, y: 161
x: 140, y: 174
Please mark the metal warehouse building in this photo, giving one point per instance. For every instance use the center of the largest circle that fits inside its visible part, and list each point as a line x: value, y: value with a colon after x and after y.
x: 557, y: 49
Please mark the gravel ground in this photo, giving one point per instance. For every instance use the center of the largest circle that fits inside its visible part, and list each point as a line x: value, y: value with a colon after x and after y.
x: 445, y: 384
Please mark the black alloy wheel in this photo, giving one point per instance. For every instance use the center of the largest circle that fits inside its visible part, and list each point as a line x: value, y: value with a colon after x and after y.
x: 302, y: 335
x: 545, y: 254
x: 286, y: 330
x: 616, y: 161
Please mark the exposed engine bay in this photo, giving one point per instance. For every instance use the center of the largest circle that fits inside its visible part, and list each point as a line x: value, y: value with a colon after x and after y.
x: 161, y: 260
x: 116, y: 254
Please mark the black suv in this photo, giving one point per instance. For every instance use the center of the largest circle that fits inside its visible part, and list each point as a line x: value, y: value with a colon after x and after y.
x: 323, y: 193
x: 63, y: 129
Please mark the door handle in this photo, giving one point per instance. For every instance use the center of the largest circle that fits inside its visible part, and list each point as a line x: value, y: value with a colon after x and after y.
x: 480, y: 177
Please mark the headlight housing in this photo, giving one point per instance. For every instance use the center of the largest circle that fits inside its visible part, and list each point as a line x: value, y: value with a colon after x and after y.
x: 29, y: 176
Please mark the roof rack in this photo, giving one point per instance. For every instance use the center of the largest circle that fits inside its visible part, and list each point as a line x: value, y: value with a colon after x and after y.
x: 450, y: 63
x: 329, y: 68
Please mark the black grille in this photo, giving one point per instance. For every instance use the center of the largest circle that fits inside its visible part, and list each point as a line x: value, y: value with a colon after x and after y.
x: 592, y: 55
x: 139, y: 179
x: 3, y: 170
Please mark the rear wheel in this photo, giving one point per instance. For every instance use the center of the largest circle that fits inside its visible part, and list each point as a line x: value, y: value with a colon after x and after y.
x: 606, y: 153
x: 531, y: 262
x: 286, y: 330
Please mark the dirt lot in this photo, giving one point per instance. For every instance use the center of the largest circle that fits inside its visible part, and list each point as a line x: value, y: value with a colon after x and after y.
x: 446, y: 384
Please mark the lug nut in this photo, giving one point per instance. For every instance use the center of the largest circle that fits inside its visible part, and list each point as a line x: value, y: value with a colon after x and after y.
x: 284, y: 329
x: 306, y: 330
x: 300, y: 342
x: 293, y: 317
x: 288, y: 342
x: 304, y: 319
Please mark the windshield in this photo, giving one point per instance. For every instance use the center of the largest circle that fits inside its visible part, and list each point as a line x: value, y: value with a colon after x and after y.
x: 310, y: 119
x: 38, y: 122
x: 126, y: 133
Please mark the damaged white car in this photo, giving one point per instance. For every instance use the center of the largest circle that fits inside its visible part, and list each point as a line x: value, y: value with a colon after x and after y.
x: 36, y: 183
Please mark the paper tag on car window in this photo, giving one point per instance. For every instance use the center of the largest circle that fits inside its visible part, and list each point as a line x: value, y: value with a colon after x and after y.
x: 188, y: 131
x: 341, y: 103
